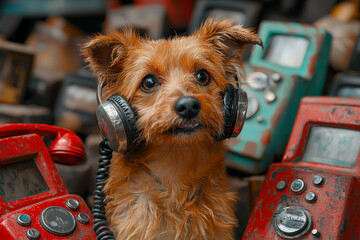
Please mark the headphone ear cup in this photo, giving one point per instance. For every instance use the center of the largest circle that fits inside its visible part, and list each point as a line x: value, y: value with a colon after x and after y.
x: 235, y: 106
x: 117, y: 122
x: 230, y: 109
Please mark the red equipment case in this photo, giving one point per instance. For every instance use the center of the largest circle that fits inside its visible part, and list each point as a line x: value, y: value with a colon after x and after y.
x: 314, y: 193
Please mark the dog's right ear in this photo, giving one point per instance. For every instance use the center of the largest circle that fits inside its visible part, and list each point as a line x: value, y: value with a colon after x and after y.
x: 105, y: 53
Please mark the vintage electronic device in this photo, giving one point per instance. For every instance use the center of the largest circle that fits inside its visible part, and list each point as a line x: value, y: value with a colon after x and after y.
x: 15, y: 69
x: 76, y: 105
x: 33, y: 200
x: 43, y: 92
x: 292, y: 64
x: 346, y: 85
x: 245, y: 13
x: 19, y: 113
x: 179, y: 12
x: 150, y: 21
x: 314, y: 192
x: 354, y: 64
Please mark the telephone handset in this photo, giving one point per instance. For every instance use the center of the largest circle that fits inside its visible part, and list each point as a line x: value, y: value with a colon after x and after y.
x: 66, y: 147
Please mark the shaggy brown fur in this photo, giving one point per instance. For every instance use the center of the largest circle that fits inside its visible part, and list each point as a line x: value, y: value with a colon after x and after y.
x: 176, y: 186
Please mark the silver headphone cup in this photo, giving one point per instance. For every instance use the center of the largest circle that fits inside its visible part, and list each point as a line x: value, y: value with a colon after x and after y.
x: 112, y: 126
x: 241, y: 112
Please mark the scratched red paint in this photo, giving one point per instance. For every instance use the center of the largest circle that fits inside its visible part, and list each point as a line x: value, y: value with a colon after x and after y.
x: 335, y: 214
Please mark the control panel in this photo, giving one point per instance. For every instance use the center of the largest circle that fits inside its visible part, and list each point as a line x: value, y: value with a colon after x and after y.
x: 314, y: 193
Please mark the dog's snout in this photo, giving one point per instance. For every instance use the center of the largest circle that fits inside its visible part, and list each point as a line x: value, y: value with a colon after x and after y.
x: 187, y: 107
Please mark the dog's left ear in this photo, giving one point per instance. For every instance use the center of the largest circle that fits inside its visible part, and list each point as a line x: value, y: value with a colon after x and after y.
x: 105, y: 53
x: 227, y: 38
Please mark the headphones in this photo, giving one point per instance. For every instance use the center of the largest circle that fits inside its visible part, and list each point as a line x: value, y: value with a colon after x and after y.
x: 117, y: 119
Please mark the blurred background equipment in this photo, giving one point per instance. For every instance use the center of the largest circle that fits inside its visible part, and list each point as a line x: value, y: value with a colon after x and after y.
x: 245, y: 13
x: 76, y: 105
x: 149, y: 20
x: 347, y: 84
x: 57, y: 48
x: 15, y: 70
x: 10, y: 113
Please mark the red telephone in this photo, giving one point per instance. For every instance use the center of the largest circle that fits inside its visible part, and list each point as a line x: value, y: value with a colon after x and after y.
x: 33, y: 200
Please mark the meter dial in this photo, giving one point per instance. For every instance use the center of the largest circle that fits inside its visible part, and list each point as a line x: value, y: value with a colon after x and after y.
x: 253, y: 105
x: 58, y: 221
x: 258, y: 80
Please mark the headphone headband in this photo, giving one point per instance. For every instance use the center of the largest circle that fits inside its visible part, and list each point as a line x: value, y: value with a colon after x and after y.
x: 117, y: 119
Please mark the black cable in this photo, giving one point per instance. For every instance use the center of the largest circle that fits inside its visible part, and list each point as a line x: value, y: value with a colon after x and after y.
x: 101, y: 227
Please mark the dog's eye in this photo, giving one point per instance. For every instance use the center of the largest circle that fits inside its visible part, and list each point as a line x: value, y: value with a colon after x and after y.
x: 149, y: 83
x: 203, y: 77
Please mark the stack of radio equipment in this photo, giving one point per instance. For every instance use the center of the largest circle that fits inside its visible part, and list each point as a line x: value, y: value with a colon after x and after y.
x: 297, y: 158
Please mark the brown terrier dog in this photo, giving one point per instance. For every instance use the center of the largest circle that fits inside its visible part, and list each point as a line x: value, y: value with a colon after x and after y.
x: 176, y: 186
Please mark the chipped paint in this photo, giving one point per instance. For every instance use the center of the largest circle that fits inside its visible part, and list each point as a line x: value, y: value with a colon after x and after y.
x: 265, y: 137
x: 250, y: 149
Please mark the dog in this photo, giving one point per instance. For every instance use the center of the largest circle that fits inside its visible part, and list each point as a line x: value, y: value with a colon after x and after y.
x: 175, y: 186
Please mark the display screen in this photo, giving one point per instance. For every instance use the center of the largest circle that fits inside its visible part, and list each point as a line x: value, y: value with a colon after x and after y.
x: 332, y: 146
x: 21, y: 180
x: 286, y: 51
x: 237, y: 16
x: 80, y: 98
x: 349, y: 91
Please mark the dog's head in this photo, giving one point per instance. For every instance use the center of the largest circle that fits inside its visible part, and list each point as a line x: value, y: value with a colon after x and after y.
x: 175, y: 86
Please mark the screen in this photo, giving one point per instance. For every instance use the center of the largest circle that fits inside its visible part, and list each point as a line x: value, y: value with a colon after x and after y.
x: 21, y: 180
x: 286, y: 51
x: 349, y: 91
x: 332, y: 146
x: 80, y: 98
x: 237, y: 16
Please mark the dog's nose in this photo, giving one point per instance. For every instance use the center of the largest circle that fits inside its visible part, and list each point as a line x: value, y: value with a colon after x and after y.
x: 187, y: 107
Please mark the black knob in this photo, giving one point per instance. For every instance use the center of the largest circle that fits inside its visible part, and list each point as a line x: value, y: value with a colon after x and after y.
x: 187, y: 107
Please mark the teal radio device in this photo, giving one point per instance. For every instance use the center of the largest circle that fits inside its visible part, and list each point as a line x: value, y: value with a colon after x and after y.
x: 292, y: 64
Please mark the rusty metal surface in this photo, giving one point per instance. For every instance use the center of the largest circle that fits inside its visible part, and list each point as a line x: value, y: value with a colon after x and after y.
x: 266, y: 133
x: 335, y: 212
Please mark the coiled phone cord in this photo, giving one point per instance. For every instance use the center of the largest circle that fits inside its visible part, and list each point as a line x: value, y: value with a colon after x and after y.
x: 101, y: 227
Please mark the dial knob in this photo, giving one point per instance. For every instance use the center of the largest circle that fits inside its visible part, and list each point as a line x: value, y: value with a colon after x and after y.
x: 258, y: 80
x: 58, y: 221
x: 292, y: 222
